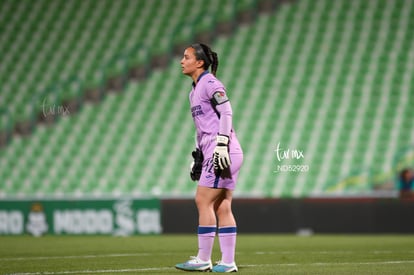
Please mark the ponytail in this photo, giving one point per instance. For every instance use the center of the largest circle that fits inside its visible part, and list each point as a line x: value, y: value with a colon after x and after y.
x: 214, y: 63
x: 204, y: 52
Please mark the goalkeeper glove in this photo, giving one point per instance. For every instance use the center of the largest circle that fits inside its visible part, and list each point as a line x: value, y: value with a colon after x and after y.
x: 197, y: 164
x: 221, y: 158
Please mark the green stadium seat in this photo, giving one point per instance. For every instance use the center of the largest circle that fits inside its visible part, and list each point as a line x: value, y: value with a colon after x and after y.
x: 314, y: 75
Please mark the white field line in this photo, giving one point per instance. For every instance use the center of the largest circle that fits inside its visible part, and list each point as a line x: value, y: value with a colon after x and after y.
x: 327, y: 252
x: 81, y: 256
x: 41, y: 258
x: 246, y: 265
x: 89, y: 271
x: 330, y: 264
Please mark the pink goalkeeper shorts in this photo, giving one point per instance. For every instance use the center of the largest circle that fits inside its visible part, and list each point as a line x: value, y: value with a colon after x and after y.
x: 228, y: 177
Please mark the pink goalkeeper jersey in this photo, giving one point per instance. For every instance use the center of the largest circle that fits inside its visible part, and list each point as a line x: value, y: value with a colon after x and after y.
x: 207, y: 117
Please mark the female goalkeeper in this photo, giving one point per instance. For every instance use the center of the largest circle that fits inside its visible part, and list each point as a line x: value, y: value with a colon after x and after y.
x: 222, y: 159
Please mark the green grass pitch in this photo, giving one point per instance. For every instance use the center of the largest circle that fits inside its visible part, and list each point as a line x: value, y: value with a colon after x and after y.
x: 256, y: 254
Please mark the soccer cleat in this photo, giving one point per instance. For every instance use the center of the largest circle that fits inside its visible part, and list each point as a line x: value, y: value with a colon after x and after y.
x: 225, y: 268
x: 195, y: 264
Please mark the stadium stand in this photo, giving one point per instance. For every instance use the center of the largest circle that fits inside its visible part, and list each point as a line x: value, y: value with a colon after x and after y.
x: 53, y: 41
x: 330, y: 79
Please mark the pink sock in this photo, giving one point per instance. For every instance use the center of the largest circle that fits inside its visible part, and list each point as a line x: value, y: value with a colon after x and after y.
x: 206, y: 236
x: 227, y: 238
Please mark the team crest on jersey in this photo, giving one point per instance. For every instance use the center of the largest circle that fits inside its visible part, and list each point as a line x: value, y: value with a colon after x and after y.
x: 220, y: 97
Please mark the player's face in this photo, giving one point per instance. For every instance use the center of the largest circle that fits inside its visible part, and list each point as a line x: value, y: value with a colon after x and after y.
x: 189, y: 63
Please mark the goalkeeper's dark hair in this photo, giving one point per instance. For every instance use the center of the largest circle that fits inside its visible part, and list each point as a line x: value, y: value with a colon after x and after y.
x: 204, y: 52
